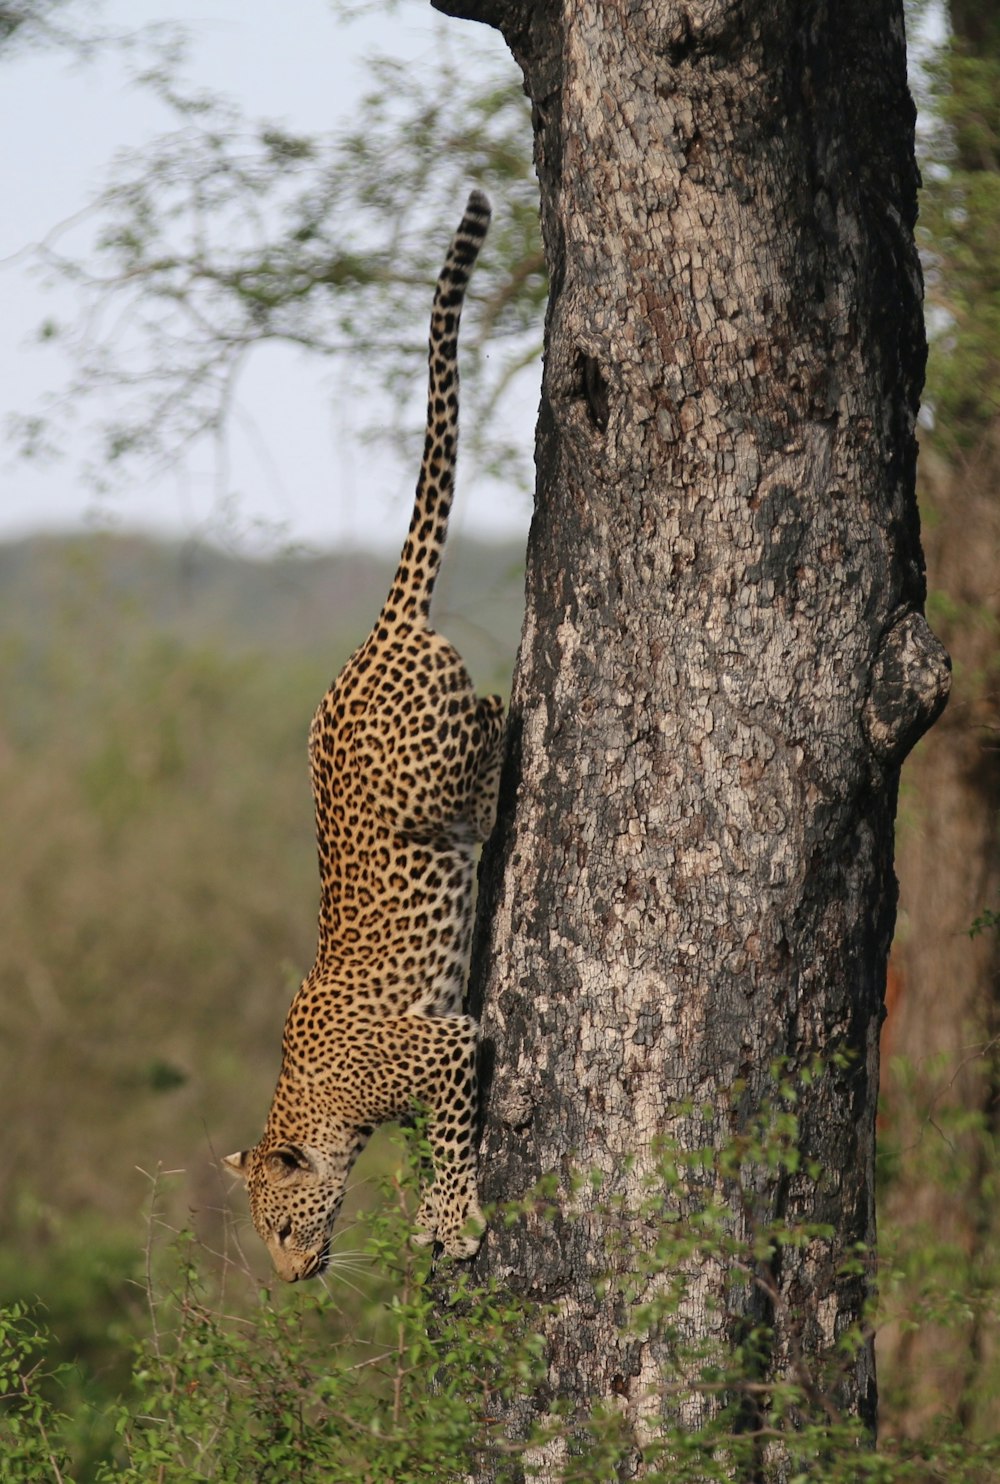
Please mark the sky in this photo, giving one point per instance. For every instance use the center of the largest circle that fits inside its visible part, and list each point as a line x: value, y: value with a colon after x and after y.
x: 298, y: 478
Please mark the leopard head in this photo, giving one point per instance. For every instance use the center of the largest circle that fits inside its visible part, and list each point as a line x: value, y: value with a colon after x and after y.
x: 295, y: 1195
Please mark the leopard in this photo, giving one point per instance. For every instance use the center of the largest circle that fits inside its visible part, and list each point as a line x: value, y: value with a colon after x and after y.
x: 405, y: 761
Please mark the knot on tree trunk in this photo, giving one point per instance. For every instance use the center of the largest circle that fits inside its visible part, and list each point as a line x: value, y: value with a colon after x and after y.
x: 910, y: 682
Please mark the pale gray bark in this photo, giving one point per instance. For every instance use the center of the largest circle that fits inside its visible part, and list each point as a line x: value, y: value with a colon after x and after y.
x: 723, y: 660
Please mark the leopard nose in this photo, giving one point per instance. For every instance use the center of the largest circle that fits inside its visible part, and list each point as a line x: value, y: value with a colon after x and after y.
x: 290, y: 1266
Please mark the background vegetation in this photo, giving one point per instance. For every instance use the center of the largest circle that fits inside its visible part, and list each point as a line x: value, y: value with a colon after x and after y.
x: 158, y: 901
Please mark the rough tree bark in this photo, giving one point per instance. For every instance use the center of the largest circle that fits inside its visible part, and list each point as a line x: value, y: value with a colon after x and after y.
x: 724, y: 659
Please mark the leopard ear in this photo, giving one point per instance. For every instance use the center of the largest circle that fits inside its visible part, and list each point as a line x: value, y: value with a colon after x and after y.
x: 288, y: 1159
x: 237, y: 1162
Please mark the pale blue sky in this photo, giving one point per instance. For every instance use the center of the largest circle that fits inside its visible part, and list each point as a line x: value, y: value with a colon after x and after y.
x: 294, y: 466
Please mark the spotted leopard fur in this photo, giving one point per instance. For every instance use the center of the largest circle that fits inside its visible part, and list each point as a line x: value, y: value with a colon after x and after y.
x: 404, y: 762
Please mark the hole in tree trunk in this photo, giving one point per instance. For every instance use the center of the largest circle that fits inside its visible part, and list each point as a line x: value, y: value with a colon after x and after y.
x: 595, y: 390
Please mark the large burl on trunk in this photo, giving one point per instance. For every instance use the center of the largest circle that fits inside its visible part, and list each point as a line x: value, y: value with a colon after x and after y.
x: 724, y: 660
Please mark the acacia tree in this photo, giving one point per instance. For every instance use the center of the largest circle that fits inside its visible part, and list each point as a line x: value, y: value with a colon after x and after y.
x: 723, y: 664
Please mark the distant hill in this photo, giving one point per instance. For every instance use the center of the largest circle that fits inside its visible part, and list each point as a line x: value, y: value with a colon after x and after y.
x: 290, y: 604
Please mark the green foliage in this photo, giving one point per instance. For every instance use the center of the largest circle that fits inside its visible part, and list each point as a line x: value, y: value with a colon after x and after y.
x: 35, y: 24
x: 959, y: 232
x: 987, y: 921
x: 85, y: 1284
x: 392, y: 1371
x: 367, y: 1377
x: 28, y: 1421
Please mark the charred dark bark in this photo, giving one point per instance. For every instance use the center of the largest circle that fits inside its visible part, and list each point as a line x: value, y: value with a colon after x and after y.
x: 724, y: 659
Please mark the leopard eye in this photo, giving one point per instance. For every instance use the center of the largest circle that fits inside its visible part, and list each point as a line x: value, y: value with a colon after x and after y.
x: 284, y: 1231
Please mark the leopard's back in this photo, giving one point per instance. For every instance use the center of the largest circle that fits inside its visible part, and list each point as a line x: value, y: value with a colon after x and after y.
x: 395, y: 837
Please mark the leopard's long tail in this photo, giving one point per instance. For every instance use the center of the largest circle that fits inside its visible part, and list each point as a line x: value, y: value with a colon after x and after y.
x: 409, y: 597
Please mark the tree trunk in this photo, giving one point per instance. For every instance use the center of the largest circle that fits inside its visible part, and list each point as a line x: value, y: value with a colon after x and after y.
x: 723, y: 661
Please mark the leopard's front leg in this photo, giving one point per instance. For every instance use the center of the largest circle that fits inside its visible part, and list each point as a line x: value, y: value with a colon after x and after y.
x: 441, y: 1052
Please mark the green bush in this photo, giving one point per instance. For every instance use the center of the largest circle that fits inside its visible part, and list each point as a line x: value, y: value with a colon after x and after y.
x: 31, y: 1427
x: 390, y: 1371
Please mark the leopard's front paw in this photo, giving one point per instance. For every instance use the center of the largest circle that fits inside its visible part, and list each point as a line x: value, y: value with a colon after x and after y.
x: 460, y: 1232
x: 463, y: 1245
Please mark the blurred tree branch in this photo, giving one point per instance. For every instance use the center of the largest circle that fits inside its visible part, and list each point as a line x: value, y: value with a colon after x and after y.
x: 225, y: 234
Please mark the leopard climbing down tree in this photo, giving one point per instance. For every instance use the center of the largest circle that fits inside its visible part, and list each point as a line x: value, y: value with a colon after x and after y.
x: 405, y: 760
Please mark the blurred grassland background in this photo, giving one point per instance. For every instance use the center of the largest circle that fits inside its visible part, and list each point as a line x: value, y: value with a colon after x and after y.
x: 159, y: 884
